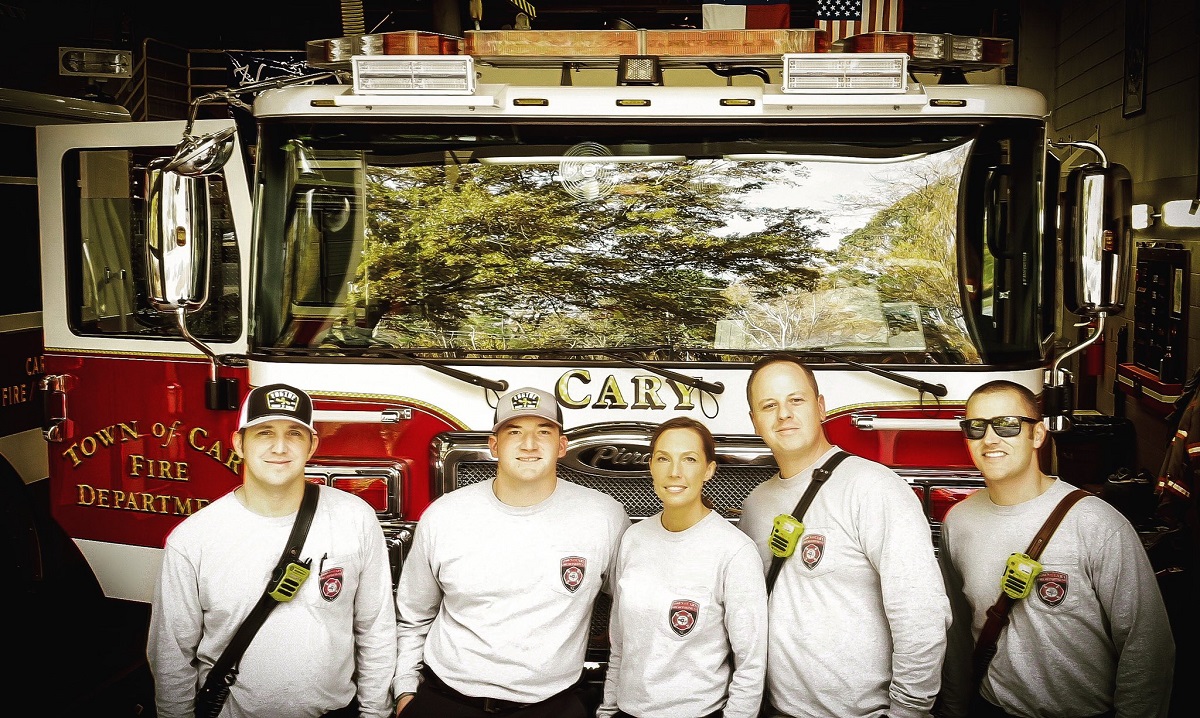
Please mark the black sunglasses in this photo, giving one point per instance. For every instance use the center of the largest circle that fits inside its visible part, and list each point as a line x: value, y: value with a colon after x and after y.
x: 1004, y: 426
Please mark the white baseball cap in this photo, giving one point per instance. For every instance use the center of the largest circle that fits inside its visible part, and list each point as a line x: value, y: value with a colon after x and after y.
x: 527, y: 401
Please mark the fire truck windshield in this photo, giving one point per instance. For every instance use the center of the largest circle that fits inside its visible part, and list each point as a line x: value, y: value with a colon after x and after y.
x: 897, y: 243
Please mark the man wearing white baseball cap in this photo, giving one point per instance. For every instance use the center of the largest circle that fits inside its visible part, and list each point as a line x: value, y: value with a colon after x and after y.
x: 496, y: 595
x: 328, y: 651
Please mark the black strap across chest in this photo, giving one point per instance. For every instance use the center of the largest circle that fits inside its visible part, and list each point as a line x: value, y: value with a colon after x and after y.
x: 224, y: 672
x: 819, y: 476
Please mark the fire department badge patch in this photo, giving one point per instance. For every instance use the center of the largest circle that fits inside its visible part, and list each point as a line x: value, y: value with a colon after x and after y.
x: 571, y: 570
x: 331, y: 583
x: 683, y: 615
x: 812, y: 548
x: 1051, y: 587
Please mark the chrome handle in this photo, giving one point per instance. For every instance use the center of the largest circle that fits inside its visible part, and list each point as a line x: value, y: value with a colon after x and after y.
x: 870, y: 422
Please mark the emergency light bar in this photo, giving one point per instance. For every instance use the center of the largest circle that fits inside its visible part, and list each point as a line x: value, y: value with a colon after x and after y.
x: 551, y: 48
x: 336, y: 53
x: 928, y: 51
x: 414, y: 74
x: 632, y: 50
x: 505, y: 46
x: 820, y: 72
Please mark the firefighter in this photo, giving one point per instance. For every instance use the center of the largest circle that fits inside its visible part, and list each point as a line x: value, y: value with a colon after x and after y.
x: 495, y: 597
x: 858, y: 615
x: 1091, y: 637
x: 688, y: 624
x: 330, y: 649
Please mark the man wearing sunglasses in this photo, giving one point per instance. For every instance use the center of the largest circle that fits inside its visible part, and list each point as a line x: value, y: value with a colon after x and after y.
x: 1092, y: 637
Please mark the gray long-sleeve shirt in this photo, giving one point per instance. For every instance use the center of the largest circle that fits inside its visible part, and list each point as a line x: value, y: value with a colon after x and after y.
x: 497, y: 599
x: 1092, y: 636
x: 334, y: 641
x: 689, y: 623
x: 858, y: 615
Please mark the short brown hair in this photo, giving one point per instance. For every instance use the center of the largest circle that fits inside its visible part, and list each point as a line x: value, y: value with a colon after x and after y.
x: 687, y: 422
x: 781, y: 358
x: 1032, y: 408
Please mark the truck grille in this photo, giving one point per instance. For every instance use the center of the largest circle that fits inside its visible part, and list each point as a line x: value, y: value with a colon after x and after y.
x: 613, y: 458
x: 727, y: 489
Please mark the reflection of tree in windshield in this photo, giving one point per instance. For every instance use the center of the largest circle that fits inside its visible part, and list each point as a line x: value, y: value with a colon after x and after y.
x: 906, y: 252
x: 490, y: 256
x: 705, y: 253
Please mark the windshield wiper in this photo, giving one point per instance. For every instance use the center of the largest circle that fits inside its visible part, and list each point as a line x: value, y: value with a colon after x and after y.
x: 694, y: 382
x: 497, y: 386
x: 938, y: 390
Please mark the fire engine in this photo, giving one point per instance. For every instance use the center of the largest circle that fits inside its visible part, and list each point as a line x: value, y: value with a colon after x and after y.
x: 430, y: 220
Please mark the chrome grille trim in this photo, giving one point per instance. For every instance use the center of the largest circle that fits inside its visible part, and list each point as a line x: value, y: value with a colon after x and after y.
x: 743, y: 462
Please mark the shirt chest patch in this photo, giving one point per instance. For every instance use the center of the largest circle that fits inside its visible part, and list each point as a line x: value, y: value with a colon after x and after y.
x: 1051, y: 587
x: 331, y: 582
x: 683, y: 616
x: 812, y: 549
x: 571, y: 571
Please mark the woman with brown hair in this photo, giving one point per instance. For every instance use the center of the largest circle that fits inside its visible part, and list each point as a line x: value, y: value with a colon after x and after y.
x: 688, y: 626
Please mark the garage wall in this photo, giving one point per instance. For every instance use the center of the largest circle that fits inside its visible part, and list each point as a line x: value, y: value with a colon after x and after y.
x: 1076, y: 53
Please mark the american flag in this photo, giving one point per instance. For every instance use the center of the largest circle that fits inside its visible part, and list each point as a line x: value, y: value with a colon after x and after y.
x: 843, y: 18
x: 746, y: 14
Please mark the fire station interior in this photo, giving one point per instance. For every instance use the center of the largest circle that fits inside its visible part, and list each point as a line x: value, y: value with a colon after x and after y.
x: 1121, y: 73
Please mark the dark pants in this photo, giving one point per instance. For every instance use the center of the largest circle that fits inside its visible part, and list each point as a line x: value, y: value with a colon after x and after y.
x: 983, y: 708
x: 350, y: 711
x: 435, y: 699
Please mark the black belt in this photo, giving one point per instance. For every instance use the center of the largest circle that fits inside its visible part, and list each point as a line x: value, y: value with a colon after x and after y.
x: 715, y: 714
x: 487, y: 705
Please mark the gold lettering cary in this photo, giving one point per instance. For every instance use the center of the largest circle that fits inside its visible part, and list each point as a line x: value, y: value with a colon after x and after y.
x: 646, y: 392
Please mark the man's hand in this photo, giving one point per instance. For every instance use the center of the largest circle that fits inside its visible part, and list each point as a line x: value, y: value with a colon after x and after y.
x: 402, y: 701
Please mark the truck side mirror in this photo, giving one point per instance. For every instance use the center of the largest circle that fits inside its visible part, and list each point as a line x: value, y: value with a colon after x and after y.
x: 203, y: 155
x: 1097, y: 251
x: 178, y: 228
x: 179, y: 260
x: 1097, y: 239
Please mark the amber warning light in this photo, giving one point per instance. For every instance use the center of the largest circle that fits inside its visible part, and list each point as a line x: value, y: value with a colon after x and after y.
x: 589, y: 47
x: 932, y: 52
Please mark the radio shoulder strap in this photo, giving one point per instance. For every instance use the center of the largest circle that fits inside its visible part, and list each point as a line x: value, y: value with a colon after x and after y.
x: 819, y: 476
x: 224, y: 671
x: 997, y: 615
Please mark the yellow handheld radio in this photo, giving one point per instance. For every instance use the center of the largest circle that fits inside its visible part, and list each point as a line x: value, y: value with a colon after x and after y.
x: 287, y: 582
x: 785, y: 534
x: 1019, y: 572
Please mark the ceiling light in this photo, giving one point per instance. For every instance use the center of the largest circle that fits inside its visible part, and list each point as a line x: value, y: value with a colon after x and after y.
x: 1143, y: 216
x: 1181, y: 213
